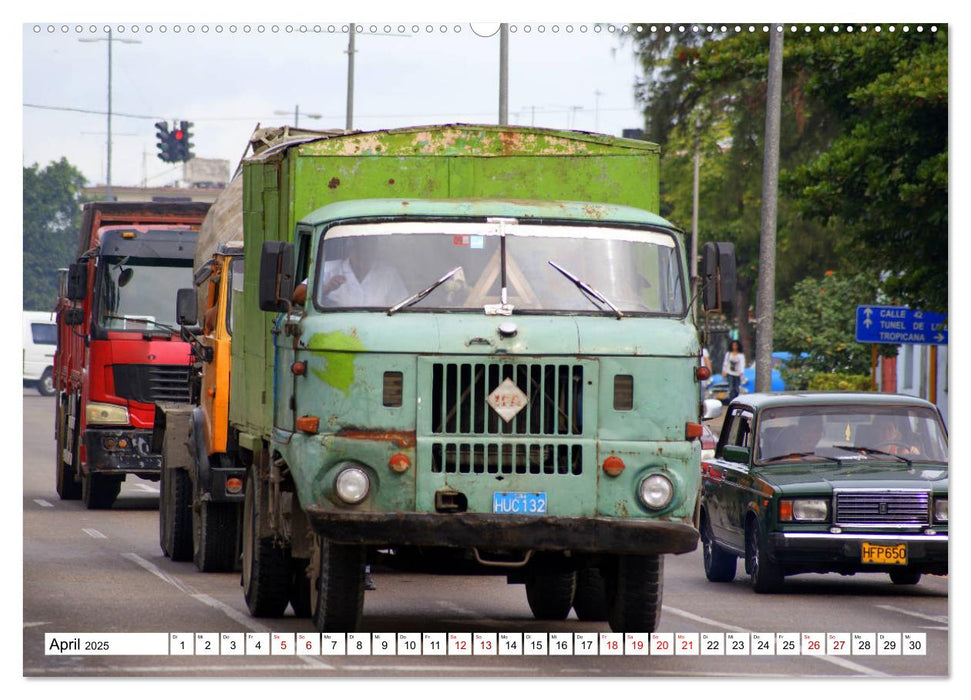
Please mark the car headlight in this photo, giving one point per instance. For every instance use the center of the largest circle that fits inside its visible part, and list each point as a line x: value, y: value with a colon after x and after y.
x: 656, y: 491
x: 105, y: 414
x: 940, y: 510
x: 803, y: 509
x: 352, y: 485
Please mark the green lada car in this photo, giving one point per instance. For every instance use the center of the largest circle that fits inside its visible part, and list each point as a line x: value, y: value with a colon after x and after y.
x: 826, y: 482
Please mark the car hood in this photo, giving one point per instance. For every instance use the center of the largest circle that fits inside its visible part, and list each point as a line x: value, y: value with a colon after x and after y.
x: 865, y: 475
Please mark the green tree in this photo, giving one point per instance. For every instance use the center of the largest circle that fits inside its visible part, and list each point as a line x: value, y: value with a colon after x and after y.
x: 52, y: 216
x: 818, y: 326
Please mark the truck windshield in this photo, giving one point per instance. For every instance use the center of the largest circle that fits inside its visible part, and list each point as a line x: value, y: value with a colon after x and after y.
x: 139, y: 295
x: 376, y: 266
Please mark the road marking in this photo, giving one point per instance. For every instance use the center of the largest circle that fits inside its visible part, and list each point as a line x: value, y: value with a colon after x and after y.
x: 146, y: 487
x: 942, y: 619
x: 42, y: 503
x: 230, y: 612
x: 91, y: 532
x: 35, y: 624
x: 835, y: 660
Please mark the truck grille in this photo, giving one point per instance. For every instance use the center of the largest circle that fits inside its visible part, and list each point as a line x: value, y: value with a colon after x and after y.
x: 153, y: 383
x: 507, y: 458
x: 459, y: 391
x: 882, y: 507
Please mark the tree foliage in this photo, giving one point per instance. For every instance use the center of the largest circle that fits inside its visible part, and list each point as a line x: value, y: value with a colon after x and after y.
x: 52, y: 216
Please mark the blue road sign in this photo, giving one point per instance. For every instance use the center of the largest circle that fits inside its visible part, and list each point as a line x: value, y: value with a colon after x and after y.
x: 899, y: 325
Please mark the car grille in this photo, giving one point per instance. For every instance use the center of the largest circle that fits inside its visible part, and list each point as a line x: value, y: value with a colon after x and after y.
x: 153, y: 383
x: 900, y: 508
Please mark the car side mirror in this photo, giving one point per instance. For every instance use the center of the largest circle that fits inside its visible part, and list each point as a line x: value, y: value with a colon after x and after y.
x: 736, y: 453
x: 712, y: 409
x: 186, y: 307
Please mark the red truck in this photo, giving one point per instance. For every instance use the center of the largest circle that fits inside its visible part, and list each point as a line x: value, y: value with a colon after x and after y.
x: 119, y: 350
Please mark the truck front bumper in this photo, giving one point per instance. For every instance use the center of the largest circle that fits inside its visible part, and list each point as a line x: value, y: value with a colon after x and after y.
x: 121, y: 451
x: 506, y: 532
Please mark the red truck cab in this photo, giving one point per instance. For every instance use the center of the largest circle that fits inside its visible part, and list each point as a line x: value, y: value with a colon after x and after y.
x: 119, y: 347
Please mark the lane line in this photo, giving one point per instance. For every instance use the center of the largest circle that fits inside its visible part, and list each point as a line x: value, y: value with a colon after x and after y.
x: 230, y: 612
x: 835, y: 660
x: 941, y: 619
x: 91, y: 532
x: 42, y: 503
x: 35, y: 624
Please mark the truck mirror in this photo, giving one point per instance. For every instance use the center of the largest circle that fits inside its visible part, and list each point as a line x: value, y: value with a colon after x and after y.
x: 77, y: 281
x: 712, y: 409
x: 186, y: 307
x: 718, y: 277
x: 276, y: 276
x: 74, y: 317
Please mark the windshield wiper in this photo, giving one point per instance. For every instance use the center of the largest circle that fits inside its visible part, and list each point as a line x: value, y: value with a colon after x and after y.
x: 415, y: 298
x: 811, y: 453
x: 140, y: 319
x: 871, y: 450
x: 586, y: 289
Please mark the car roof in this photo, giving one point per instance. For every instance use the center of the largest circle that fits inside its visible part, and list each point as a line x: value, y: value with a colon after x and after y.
x: 759, y: 401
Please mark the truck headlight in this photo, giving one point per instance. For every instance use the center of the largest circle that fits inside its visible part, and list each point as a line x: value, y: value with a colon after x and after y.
x: 352, y: 485
x: 803, y: 509
x: 940, y: 510
x: 105, y: 414
x: 656, y: 491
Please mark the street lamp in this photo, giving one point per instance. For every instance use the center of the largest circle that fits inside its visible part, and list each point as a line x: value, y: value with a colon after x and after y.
x: 109, y: 39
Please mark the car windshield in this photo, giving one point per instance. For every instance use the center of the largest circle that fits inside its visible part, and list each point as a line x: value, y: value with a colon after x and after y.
x: 139, y: 295
x: 381, y: 265
x: 904, y: 433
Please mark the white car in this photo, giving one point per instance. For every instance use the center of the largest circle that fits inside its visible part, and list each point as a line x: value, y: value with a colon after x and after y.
x: 40, y: 341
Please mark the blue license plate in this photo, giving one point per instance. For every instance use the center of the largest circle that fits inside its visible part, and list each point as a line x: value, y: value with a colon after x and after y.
x: 508, y: 503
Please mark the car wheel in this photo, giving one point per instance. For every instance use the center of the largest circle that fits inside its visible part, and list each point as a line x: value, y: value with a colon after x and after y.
x: 905, y: 577
x: 45, y: 385
x: 720, y: 565
x: 766, y: 575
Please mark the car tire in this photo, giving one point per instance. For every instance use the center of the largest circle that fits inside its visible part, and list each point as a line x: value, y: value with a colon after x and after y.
x: 590, y: 597
x: 634, y: 590
x: 767, y: 576
x: 720, y: 565
x: 45, y: 385
x: 550, y: 594
x: 905, y: 577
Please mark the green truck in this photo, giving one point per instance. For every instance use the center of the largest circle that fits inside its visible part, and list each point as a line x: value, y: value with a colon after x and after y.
x: 473, y: 337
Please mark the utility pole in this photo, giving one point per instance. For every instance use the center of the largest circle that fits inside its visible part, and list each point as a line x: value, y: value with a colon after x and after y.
x: 503, y: 74
x: 693, y: 260
x: 110, y: 40
x: 596, y: 110
x: 352, y: 30
x: 765, y: 306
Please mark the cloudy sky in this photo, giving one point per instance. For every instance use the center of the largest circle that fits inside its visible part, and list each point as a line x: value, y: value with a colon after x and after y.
x: 225, y: 77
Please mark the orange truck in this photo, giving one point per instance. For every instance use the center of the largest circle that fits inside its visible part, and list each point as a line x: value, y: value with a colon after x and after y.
x: 119, y: 351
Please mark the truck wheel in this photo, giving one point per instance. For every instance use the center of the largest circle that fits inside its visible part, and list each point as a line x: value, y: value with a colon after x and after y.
x: 45, y: 385
x: 550, y: 594
x: 339, y: 597
x: 266, y: 571
x: 99, y: 491
x: 300, y: 599
x: 720, y: 565
x: 175, y: 514
x: 905, y: 577
x: 766, y: 575
x: 214, y: 536
x: 634, y: 588
x: 590, y: 597
x: 68, y: 488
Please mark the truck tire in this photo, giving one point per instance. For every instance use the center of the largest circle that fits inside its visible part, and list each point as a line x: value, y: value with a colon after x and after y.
x: 99, y: 491
x: 767, y: 576
x: 175, y: 514
x: 550, y: 594
x: 68, y: 488
x: 719, y: 564
x: 590, y: 597
x: 300, y: 598
x: 266, y: 566
x: 45, y: 385
x: 214, y: 536
x: 339, y: 589
x: 634, y: 588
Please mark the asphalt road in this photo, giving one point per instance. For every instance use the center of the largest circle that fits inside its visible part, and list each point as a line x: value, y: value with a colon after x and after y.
x: 103, y: 571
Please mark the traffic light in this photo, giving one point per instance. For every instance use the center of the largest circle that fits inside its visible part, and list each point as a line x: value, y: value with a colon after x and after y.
x: 184, y: 145
x: 164, y: 144
x: 174, y: 146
